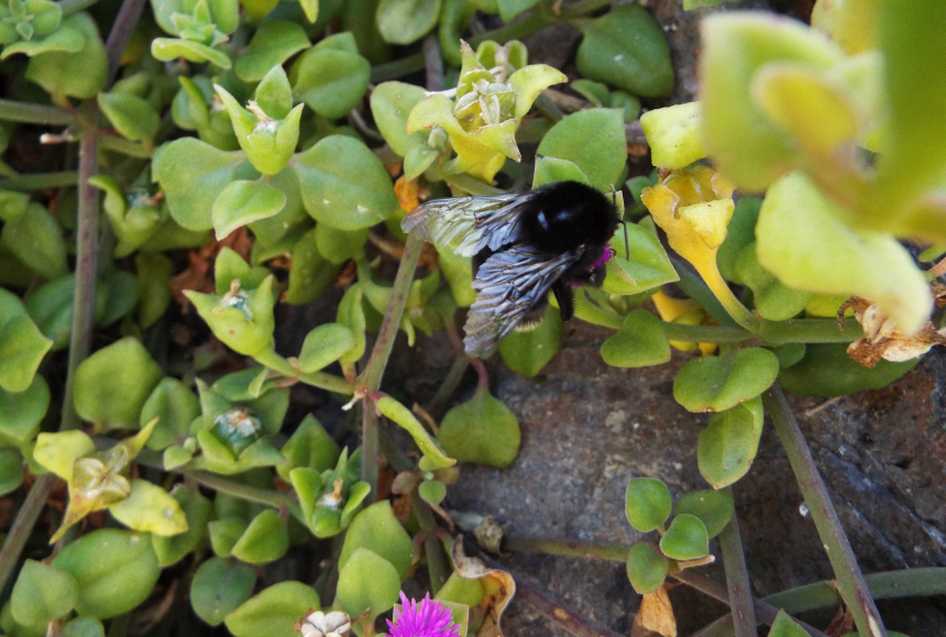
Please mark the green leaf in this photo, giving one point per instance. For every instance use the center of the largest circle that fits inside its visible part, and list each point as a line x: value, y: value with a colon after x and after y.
x: 674, y: 134
x: 150, y: 509
x: 74, y: 74
x: 552, y: 169
x: 827, y: 370
x: 481, y: 430
x: 432, y: 492
x: 715, y: 508
x: 267, y: 142
x: 274, y: 42
x: 785, y: 626
x: 42, y: 593
x: 83, y: 627
x: 402, y: 416
x: 243, y: 321
x: 274, y: 611
x: 729, y: 444
x: 175, y: 406
x: 527, y: 352
x: 113, y: 384
x: 63, y: 40
x: 739, y: 233
x: 171, y: 49
x: 748, y: 147
x: 344, y: 184
x: 646, y: 268
x: 133, y: 117
x: 310, y: 273
x: 330, y: 81
x: 266, y: 539
x: 627, y: 48
x: 509, y: 9
x: 116, y: 570
x: 646, y: 568
x: 378, y: 530
x: 528, y: 83
x: 803, y: 242
x: 324, y: 345
x: 36, y: 239
x: 197, y: 509
x: 773, y: 300
x: 230, y: 266
x: 21, y: 413
x: 647, y: 503
x: 406, y: 21
x: 641, y: 342
x: 224, y: 534
x: 720, y: 382
x: 219, y: 587
x: 910, y: 38
x: 309, y: 446
x: 338, y: 246
x: 11, y: 471
x: 367, y: 583
x: 243, y: 202
x: 59, y: 451
x: 22, y: 346
x: 391, y: 103
x: 686, y: 538
x: 192, y: 175
x: 603, y: 161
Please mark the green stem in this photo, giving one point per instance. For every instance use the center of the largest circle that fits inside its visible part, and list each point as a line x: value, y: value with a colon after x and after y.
x: 29, y: 113
x: 322, y: 380
x: 705, y: 333
x: 437, y: 567
x: 267, y: 497
x: 809, y: 331
x: 851, y: 584
x: 737, y: 579
x: 40, y: 181
x: 370, y: 379
x: 449, y: 385
x: 23, y: 524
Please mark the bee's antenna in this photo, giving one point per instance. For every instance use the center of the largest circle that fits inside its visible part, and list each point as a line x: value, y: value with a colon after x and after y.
x: 627, y: 243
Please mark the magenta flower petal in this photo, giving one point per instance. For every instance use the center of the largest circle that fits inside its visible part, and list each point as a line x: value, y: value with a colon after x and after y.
x: 426, y: 618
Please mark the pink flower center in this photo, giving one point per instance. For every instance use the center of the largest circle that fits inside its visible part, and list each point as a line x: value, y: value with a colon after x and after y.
x: 606, y: 255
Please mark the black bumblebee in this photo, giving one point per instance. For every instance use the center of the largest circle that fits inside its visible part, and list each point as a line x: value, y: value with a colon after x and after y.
x: 523, y: 245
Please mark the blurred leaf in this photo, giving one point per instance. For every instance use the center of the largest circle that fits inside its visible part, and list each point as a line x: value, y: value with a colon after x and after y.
x: 36, y: 239
x: 273, y: 611
x: 785, y: 626
x: 133, y: 117
x: 528, y: 352
x: 42, y: 593
x: 601, y: 162
x: 219, y: 587
x: 481, y: 430
x: 646, y: 568
x: 78, y: 74
x: 641, y: 342
x: 21, y: 413
x: 674, y: 135
x: 344, y: 184
x: 647, y: 503
x: 154, y: 278
x: 406, y: 21
x: 686, y: 538
x: 714, y: 508
x: 113, y: 384
x: 116, y: 570
x: 646, y: 267
x: 367, y: 583
x: 22, y: 346
x: 719, y: 382
x: 627, y: 48
x: 827, y: 370
x: 274, y: 42
x: 773, y: 301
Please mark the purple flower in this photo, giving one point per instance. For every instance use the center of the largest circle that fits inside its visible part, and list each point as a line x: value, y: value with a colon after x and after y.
x: 427, y: 618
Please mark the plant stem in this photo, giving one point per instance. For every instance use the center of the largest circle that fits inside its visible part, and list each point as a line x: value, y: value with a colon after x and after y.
x: 370, y: 380
x: 29, y: 113
x: 737, y: 579
x: 120, y: 33
x: 246, y: 492
x: 437, y: 567
x: 40, y: 181
x: 809, y: 331
x: 705, y: 333
x: 851, y: 584
x: 449, y: 385
x: 322, y: 380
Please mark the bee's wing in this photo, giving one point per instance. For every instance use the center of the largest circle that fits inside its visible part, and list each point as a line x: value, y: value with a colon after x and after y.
x: 508, y: 284
x: 466, y: 225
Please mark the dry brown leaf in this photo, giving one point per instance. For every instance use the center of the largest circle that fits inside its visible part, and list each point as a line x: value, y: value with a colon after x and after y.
x: 883, y: 341
x: 407, y: 191
x: 655, y: 615
x: 498, y: 590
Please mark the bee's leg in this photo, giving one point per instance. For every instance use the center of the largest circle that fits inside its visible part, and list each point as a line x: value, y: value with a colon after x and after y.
x: 565, y: 297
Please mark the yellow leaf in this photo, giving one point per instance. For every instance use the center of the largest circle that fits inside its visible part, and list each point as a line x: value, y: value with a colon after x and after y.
x: 656, y: 614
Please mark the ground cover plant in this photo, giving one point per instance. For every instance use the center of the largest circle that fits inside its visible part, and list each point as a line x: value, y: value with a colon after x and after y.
x: 177, y: 174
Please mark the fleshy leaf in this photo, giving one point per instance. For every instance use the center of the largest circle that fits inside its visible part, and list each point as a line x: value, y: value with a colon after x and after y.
x: 686, y: 538
x: 674, y: 135
x: 219, y: 587
x: 331, y: 81
x: 243, y: 202
x: 646, y: 568
x: 715, y: 508
x: 378, y: 530
x: 718, y: 383
x: 42, y: 593
x: 406, y: 21
x: 367, y: 583
x: 434, y: 456
x: 150, y: 509
x: 647, y: 503
x: 324, y: 345
x: 274, y: 42
x: 641, y: 342
x: 21, y: 413
x: 274, y: 611
x: 527, y: 353
x: 22, y: 345
x: 603, y: 161
x: 481, y: 430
